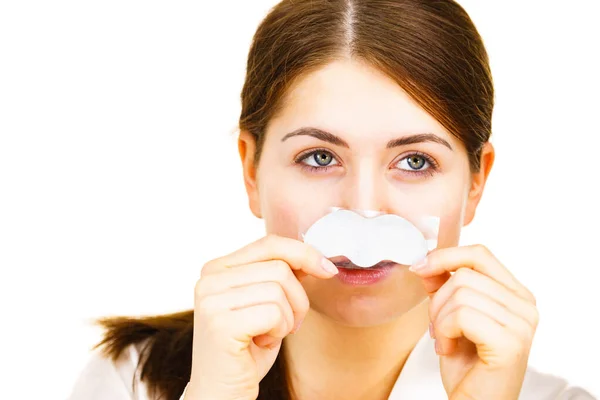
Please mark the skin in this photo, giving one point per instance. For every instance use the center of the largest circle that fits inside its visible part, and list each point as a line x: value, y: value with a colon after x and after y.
x: 354, y: 341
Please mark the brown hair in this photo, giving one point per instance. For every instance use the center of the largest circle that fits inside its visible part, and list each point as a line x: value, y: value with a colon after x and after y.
x: 431, y: 48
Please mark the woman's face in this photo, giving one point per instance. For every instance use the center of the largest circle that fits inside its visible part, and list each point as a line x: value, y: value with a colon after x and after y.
x: 348, y: 136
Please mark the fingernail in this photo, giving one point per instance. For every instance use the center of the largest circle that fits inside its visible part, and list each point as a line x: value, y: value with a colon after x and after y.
x: 419, y: 265
x: 329, y: 266
x: 431, y: 332
x: 438, y: 347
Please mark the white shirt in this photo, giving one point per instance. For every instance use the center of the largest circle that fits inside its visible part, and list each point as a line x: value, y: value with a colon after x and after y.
x: 103, y: 379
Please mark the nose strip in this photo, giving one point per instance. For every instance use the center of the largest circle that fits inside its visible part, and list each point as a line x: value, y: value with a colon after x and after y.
x: 364, y: 213
x: 367, y: 241
x: 368, y: 213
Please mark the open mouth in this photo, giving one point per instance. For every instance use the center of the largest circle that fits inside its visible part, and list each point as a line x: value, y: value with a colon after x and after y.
x: 344, y: 262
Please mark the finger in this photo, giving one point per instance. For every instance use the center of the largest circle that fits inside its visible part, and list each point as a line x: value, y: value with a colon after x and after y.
x: 244, y: 324
x: 465, y: 278
x: 277, y: 271
x: 477, y: 258
x: 496, y: 346
x: 224, y: 306
x: 433, y: 283
x: 467, y: 297
x: 302, y: 258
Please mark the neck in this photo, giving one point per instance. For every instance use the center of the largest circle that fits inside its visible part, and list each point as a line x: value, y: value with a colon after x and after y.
x: 328, y: 360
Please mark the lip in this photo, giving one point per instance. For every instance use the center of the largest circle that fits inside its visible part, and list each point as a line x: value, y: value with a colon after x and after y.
x: 351, y: 274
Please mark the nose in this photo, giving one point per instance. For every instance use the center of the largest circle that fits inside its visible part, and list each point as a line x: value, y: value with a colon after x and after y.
x: 364, y: 191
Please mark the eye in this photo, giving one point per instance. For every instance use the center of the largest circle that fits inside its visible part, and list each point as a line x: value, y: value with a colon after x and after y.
x: 417, y: 164
x: 414, y: 162
x: 319, y: 159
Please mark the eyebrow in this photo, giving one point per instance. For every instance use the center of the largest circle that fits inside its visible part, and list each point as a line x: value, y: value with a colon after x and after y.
x: 336, y: 140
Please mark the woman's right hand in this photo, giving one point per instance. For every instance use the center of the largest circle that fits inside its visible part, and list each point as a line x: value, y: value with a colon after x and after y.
x: 245, y: 304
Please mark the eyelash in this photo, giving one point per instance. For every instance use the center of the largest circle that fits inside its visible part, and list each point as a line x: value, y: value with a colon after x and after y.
x: 433, y: 165
x: 303, y: 156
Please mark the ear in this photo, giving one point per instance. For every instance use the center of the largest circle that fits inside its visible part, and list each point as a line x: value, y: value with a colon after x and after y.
x: 478, y: 181
x: 247, y: 150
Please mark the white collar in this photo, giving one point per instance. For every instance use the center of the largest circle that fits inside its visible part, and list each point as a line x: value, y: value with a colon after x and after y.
x: 420, y: 377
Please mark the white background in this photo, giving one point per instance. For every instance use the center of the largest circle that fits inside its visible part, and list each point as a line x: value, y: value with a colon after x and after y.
x: 119, y: 174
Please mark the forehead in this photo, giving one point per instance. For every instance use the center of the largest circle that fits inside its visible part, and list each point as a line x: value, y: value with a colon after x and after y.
x: 356, y: 101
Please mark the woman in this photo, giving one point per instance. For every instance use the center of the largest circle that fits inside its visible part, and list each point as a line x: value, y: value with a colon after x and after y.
x: 372, y: 105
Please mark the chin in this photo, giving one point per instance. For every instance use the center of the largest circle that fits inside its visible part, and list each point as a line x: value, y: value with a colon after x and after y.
x: 364, y: 310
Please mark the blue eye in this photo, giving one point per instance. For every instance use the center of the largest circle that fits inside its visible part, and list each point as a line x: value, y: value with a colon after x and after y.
x: 414, y: 162
x: 319, y: 159
x: 417, y: 164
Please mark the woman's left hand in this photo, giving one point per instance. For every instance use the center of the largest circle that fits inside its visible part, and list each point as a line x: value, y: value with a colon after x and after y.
x: 483, y: 321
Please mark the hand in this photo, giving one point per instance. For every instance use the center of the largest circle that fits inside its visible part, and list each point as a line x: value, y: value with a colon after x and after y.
x: 245, y: 304
x: 483, y: 321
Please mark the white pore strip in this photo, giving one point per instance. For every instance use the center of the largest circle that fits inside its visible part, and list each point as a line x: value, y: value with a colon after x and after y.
x: 368, y: 240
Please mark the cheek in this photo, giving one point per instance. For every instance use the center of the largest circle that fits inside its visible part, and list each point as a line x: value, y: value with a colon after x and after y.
x: 281, y: 219
x: 450, y: 226
x: 291, y: 216
x: 279, y: 202
x: 289, y: 206
x: 452, y: 216
x: 445, y: 199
